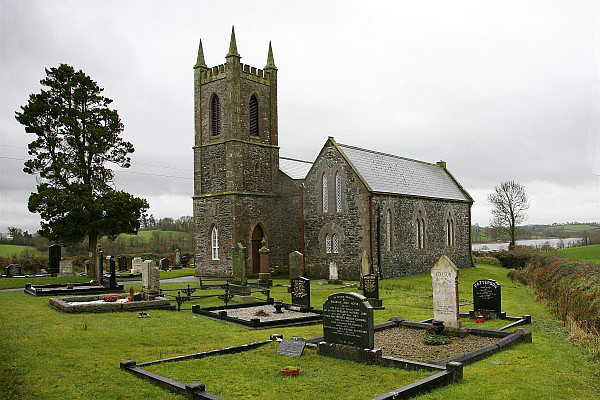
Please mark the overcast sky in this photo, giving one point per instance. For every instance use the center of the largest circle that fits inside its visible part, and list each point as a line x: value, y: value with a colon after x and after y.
x: 498, y: 89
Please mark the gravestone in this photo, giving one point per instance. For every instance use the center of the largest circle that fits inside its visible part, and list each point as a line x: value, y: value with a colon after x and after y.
x: 300, y: 292
x: 295, y: 264
x: 370, y: 286
x: 177, y: 258
x: 164, y: 264
x: 364, y: 264
x: 348, y: 320
x: 54, y: 256
x: 65, y: 267
x: 150, y: 279
x: 444, y: 280
x: 112, y: 282
x: 87, y: 267
x: 122, y: 263
x: 239, y: 265
x: 185, y: 260
x: 264, y: 276
x: 292, y: 348
x: 136, y: 265
x: 487, y: 296
x: 13, y: 270
x: 100, y: 270
x: 333, y: 274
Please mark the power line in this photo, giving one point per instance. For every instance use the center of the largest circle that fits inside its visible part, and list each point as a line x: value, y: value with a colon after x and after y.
x: 125, y: 172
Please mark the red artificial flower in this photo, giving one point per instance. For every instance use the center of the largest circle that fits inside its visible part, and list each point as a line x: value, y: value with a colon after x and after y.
x: 104, y: 298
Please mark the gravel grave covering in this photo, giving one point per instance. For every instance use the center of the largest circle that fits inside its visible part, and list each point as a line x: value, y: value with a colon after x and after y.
x: 247, y: 313
x: 408, y: 343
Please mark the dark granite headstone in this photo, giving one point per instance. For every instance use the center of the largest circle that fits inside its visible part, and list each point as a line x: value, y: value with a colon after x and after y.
x: 348, y: 320
x: 54, y: 256
x: 300, y: 292
x: 113, y: 274
x: 164, y: 263
x: 487, y: 296
x: 13, y: 270
x: 185, y: 260
x: 293, y: 348
x: 122, y: 263
x: 370, y: 285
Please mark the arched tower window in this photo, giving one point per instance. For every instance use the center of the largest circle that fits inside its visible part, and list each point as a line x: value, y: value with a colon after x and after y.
x: 214, y: 243
x: 336, y: 243
x: 388, y: 229
x: 325, y: 193
x: 338, y: 192
x: 253, y: 115
x: 327, y: 243
x: 215, y: 115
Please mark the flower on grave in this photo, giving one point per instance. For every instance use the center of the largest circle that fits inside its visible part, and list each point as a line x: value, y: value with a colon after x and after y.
x: 104, y: 298
x: 129, y: 299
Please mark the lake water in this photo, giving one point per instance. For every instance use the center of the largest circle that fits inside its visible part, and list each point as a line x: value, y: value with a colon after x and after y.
x: 568, y: 242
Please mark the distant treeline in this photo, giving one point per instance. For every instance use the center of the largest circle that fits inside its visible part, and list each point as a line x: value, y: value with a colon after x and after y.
x: 589, y: 231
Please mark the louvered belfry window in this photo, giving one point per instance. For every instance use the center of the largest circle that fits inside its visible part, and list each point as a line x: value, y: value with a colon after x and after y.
x: 253, y: 115
x: 215, y: 115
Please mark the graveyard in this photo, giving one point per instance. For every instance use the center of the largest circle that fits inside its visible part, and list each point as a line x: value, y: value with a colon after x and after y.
x: 80, y: 355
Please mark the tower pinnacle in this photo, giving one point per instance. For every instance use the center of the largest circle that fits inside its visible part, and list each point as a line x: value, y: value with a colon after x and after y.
x: 232, y: 45
x: 270, y: 61
x: 200, y: 61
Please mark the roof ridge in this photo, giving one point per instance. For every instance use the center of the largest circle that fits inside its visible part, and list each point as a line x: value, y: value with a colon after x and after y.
x: 386, y: 154
x: 295, y: 159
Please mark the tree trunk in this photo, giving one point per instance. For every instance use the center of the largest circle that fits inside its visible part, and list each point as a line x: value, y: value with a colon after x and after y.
x: 93, y: 248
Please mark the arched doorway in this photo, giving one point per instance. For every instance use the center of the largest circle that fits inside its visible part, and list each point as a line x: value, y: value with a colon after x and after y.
x: 257, y: 237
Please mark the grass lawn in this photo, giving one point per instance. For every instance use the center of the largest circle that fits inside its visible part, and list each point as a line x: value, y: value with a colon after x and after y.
x: 48, y: 355
x: 10, y: 283
x: 10, y: 250
x: 579, y: 227
x: 589, y: 253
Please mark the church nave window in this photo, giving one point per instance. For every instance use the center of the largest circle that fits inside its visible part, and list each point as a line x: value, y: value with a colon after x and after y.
x: 215, y: 243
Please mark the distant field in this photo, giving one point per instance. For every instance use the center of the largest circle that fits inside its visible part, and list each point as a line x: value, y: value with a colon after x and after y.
x: 9, y: 250
x: 584, y: 253
x: 579, y: 227
x: 147, y: 235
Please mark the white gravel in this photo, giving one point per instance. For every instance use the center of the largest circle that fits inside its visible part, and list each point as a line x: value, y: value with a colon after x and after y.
x: 248, y: 313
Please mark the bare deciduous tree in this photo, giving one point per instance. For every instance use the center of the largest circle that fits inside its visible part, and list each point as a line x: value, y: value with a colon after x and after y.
x: 509, y: 204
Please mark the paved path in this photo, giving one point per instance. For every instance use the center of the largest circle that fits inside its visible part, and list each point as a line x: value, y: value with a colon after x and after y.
x: 189, y: 278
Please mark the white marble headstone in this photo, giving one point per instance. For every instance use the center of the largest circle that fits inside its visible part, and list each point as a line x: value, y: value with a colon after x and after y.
x: 65, y: 267
x: 364, y: 264
x: 333, y: 271
x: 444, y: 280
x: 136, y: 265
x: 150, y: 279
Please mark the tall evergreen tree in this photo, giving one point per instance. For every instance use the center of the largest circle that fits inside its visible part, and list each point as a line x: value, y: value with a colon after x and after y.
x: 77, y: 134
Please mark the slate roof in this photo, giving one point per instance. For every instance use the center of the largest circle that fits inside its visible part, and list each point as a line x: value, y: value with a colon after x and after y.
x: 387, y: 173
x: 295, y: 169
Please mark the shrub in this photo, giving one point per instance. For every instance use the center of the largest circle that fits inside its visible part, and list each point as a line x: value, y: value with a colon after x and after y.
x: 571, y: 288
x: 436, y: 340
x: 486, y: 260
x: 517, y: 258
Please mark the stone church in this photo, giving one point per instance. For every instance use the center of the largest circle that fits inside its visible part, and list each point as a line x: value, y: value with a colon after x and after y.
x: 350, y: 207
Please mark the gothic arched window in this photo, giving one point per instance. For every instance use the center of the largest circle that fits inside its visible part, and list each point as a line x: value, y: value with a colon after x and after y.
x: 418, y: 233
x: 388, y: 229
x: 336, y: 243
x: 338, y: 192
x: 327, y: 243
x: 214, y: 243
x: 448, y: 233
x: 452, y: 238
x: 215, y: 115
x: 422, y: 233
x: 253, y: 115
x: 325, y: 193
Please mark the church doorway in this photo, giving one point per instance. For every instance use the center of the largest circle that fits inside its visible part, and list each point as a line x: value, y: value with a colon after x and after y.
x: 257, y: 237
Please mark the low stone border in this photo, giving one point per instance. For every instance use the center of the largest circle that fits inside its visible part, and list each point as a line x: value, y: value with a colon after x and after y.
x: 507, y: 340
x: 452, y: 372
x: 64, y: 304
x: 256, y: 323
x: 78, y: 288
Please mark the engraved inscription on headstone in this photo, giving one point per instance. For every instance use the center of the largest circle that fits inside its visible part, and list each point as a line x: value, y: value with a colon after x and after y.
x: 150, y: 279
x: 293, y: 348
x: 122, y: 263
x: 301, y: 292
x: 444, y: 280
x: 487, y: 296
x: 348, y: 320
x: 370, y: 285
